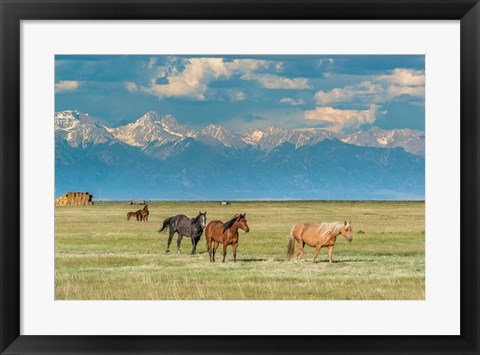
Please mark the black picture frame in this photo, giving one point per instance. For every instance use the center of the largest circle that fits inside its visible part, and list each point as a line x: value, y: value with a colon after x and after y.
x: 14, y: 11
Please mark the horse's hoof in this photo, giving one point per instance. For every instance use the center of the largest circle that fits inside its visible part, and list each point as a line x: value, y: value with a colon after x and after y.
x: 168, y: 251
x: 178, y: 251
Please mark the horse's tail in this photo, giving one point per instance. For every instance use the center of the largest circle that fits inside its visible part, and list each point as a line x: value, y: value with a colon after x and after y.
x: 291, y: 244
x: 166, y: 223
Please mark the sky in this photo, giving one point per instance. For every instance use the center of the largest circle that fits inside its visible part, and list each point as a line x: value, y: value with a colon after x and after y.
x: 343, y: 93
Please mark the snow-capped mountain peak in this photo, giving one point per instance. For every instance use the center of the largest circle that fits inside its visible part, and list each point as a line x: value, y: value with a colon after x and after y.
x: 151, y: 131
x: 411, y: 140
x: 152, y: 128
x: 80, y: 129
x: 268, y: 138
x: 218, y: 135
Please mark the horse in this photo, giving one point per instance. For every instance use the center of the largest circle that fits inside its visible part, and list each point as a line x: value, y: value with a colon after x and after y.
x: 318, y: 236
x: 133, y: 214
x: 184, y: 226
x: 225, y: 233
x: 144, y: 214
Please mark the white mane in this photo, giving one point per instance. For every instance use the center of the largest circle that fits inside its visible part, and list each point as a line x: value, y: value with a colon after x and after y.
x: 327, y: 228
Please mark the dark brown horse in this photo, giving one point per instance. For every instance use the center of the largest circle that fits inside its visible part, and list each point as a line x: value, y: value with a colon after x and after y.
x: 225, y: 233
x: 135, y: 214
x: 144, y: 214
x: 318, y: 236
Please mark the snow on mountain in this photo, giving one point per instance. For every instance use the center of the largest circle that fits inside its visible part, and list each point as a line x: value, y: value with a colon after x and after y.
x: 152, y: 131
x: 411, y: 140
x: 152, y: 128
x: 218, y: 135
x: 80, y: 129
x: 268, y: 138
x: 309, y: 136
x: 170, y: 161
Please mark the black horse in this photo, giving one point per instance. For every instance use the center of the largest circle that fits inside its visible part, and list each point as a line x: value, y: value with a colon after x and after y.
x: 184, y: 226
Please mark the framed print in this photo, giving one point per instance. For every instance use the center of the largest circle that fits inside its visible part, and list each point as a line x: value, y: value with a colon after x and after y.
x: 236, y: 177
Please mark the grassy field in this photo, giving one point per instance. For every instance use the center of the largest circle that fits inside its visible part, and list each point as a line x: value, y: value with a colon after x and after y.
x: 101, y: 255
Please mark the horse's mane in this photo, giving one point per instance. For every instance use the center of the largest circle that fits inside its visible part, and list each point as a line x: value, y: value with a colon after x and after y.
x: 230, y: 223
x: 195, y: 220
x: 327, y: 228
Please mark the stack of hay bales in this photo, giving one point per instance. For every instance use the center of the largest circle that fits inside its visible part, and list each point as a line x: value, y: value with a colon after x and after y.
x: 75, y: 199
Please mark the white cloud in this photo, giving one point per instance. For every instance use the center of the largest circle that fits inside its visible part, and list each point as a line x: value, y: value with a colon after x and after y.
x: 342, y: 119
x: 365, y: 90
x: 325, y: 61
x: 404, y: 77
x: 379, y: 89
x: 152, y: 62
x: 404, y: 82
x: 130, y: 86
x: 236, y: 96
x: 394, y: 91
x: 66, y: 86
x: 198, y: 73
x: 288, y: 100
x: 271, y: 81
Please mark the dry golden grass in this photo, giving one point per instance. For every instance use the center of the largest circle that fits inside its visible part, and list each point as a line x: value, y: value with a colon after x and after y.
x: 101, y: 255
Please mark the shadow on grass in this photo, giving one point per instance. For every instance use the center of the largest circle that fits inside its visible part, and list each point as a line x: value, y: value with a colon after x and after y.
x: 250, y: 260
x: 347, y: 261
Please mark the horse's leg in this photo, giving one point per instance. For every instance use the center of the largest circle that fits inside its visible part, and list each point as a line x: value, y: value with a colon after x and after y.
x: 194, y: 249
x: 179, y: 241
x: 300, y: 250
x: 215, y: 250
x: 317, y: 249
x: 224, y: 251
x: 170, y: 236
x: 303, y: 251
x: 209, y: 248
x: 330, y: 252
x: 235, y: 252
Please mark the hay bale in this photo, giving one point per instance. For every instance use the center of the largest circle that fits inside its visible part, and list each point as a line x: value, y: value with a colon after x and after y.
x: 75, y: 199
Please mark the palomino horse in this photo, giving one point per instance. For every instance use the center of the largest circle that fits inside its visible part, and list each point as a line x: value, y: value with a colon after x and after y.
x: 225, y: 233
x: 184, y: 226
x: 135, y: 214
x: 318, y: 236
x: 144, y: 214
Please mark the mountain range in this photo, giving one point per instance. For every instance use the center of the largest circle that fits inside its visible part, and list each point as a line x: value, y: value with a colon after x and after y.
x: 156, y: 157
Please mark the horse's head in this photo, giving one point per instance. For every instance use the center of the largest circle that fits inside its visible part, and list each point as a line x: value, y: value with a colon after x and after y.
x: 242, y: 222
x: 202, y: 216
x: 346, y: 231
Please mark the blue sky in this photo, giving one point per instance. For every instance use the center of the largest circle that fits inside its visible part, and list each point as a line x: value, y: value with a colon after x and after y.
x: 341, y: 93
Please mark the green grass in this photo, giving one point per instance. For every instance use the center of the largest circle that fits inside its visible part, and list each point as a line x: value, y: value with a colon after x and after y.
x: 101, y: 255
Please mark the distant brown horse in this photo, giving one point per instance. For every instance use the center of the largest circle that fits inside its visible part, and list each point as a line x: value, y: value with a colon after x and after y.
x: 135, y: 214
x: 318, y: 236
x: 144, y: 214
x: 225, y: 233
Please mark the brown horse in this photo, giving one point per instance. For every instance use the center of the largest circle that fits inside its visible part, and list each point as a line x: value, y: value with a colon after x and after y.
x: 225, y: 233
x: 318, y: 236
x: 135, y: 214
x: 144, y: 214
